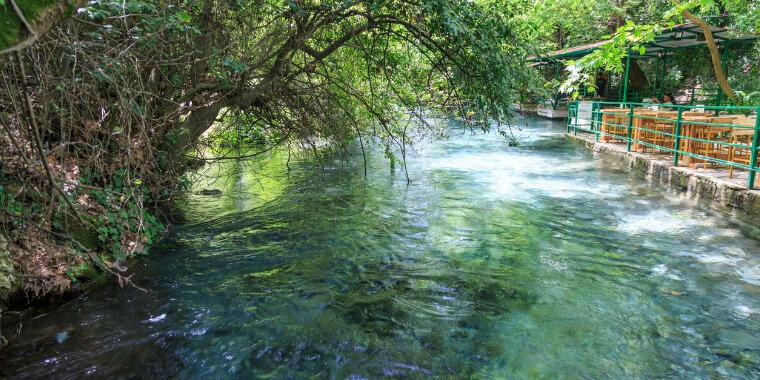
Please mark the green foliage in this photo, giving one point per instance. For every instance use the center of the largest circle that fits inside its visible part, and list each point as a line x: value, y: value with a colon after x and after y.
x: 125, y: 227
x: 82, y: 270
x: 609, y: 57
x: 242, y: 130
x: 640, y: 28
x: 749, y: 98
x: 8, y: 202
x: 383, y: 62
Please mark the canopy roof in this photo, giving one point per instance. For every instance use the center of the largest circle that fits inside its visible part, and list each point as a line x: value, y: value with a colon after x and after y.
x: 682, y: 36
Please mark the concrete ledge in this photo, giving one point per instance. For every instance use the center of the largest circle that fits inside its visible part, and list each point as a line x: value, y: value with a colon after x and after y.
x: 700, y: 183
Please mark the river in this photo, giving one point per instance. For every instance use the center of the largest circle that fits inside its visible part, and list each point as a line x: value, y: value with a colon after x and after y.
x: 539, y: 260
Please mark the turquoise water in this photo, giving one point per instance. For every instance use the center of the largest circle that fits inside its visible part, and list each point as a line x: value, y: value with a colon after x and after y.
x: 495, y: 262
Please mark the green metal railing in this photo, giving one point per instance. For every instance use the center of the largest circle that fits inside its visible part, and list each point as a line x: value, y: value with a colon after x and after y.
x: 696, y: 98
x: 716, y: 135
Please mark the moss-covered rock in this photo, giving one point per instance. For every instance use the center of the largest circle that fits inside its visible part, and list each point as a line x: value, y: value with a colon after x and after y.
x: 41, y: 14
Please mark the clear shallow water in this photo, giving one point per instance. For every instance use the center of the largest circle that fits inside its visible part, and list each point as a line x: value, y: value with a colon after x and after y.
x: 535, y: 261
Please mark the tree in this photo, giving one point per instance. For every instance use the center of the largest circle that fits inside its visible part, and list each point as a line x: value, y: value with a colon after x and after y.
x: 714, y: 54
x: 279, y: 64
x: 100, y: 117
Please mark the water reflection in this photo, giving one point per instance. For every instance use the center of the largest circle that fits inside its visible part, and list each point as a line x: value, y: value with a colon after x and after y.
x: 497, y: 261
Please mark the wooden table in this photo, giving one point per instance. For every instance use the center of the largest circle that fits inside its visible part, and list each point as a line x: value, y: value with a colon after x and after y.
x: 695, y: 113
x: 690, y: 130
x: 743, y: 133
x: 613, y: 116
x: 642, y: 119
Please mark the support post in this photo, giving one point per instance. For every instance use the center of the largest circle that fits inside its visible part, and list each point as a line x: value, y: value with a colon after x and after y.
x: 599, y: 120
x: 555, y: 102
x: 753, y: 158
x: 693, y: 89
x: 655, y: 90
x: 595, y: 111
x: 627, y: 70
x: 575, y: 128
x: 677, y: 137
x: 630, y: 127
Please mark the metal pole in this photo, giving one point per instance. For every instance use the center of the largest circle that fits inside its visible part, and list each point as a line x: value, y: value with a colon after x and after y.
x: 753, y: 159
x: 677, y: 138
x: 657, y: 77
x: 599, y: 120
x: 556, y: 91
x: 575, y: 129
x: 630, y: 125
x: 627, y: 69
x: 595, y: 118
x: 693, y: 89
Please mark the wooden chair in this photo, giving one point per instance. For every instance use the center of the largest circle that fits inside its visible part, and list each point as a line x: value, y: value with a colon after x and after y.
x: 717, y: 133
x: 742, y: 134
x: 690, y: 125
x: 610, y: 117
x: 664, y: 129
x: 643, y: 122
x: 621, y: 129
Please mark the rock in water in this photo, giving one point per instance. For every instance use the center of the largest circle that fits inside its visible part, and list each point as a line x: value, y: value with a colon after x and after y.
x: 214, y: 192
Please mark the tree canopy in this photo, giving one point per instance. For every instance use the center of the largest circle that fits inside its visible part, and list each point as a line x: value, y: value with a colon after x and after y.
x: 102, y: 114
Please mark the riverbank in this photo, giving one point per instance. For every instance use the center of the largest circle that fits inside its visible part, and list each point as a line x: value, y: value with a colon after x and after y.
x: 711, y: 184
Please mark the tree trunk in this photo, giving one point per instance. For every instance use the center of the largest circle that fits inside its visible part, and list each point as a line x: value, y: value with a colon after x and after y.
x: 714, y: 54
x: 637, y: 78
x: 202, y: 43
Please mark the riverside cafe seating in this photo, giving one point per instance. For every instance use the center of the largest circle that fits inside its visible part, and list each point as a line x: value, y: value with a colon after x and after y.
x: 701, y: 136
x: 697, y: 136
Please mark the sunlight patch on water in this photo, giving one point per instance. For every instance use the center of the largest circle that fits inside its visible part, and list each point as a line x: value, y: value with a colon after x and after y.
x: 658, y: 221
x: 518, y: 176
x: 157, y: 318
x: 750, y: 273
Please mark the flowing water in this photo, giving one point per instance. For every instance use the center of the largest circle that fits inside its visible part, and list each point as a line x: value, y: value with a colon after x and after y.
x: 495, y: 262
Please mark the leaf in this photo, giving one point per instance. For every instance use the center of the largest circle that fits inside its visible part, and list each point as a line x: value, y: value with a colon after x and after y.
x: 183, y: 17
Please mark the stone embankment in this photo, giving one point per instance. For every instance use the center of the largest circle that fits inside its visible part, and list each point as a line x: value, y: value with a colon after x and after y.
x: 711, y: 184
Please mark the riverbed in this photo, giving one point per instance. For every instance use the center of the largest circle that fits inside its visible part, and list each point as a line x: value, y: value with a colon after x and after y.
x: 496, y: 261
